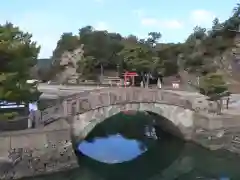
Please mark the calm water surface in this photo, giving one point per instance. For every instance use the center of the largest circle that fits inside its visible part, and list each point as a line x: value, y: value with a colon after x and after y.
x: 130, y: 147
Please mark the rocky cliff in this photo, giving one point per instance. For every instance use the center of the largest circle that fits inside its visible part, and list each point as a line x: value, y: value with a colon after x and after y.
x: 69, y: 63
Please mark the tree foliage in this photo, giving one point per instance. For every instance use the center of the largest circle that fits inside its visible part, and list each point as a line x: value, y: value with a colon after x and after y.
x: 86, y: 67
x: 110, y: 50
x: 201, y: 53
x: 18, y: 54
x: 213, y: 86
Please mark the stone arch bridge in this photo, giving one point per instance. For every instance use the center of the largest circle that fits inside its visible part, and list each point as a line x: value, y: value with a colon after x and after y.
x: 51, y: 149
x: 188, y: 113
x: 85, y: 110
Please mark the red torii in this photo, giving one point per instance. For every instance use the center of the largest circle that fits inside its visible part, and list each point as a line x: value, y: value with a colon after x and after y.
x: 128, y: 75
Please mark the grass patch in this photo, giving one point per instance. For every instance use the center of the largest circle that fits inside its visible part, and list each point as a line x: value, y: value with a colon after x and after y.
x: 8, y: 115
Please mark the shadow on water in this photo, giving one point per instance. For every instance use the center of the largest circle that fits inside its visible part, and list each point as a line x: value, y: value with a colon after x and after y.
x: 136, y: 147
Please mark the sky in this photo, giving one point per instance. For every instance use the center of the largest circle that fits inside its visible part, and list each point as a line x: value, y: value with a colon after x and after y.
x: 175, y: 19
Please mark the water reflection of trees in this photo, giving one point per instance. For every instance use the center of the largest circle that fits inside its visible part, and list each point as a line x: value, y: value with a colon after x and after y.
x: 138, y: 127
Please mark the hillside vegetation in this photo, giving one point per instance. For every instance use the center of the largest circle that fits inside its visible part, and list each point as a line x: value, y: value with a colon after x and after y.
x: 204, y: 51
x: 212, y: 55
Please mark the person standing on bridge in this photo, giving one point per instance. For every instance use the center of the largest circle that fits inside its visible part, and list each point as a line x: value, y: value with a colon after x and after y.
x: 32, y: 118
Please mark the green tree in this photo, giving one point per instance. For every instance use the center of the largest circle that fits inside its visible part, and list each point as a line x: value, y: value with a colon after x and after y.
x: 67, y: 42
x: 101, y: 45
x: 168, y: 54
x: 236, y: 10
x: 18, y: 54
x: 86, y: 68
x: 214, y: 86
x: 199, y: 32
x: 43, y: 69
x: 153, y: 38
x: 141, y: 58
x: 135, y: 57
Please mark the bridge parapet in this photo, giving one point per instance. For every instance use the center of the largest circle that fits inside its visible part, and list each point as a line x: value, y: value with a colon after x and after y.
x: 92, y: 99
x: 86, y: 101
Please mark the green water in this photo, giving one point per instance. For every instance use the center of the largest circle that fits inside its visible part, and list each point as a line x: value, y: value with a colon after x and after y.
x: 130, y: 147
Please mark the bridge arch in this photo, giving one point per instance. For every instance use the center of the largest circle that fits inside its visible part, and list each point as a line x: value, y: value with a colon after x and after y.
x: 152, y: 156
x: 96, y: 106
x: 179, y: 117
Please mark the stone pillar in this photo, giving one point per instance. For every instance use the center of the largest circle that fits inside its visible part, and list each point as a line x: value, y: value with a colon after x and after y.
x: 65, y: 108
x: 133, y: 80
x: 37, y: 120
x: 77, y: 105
x: 30, y: 119
x: 69, y: 108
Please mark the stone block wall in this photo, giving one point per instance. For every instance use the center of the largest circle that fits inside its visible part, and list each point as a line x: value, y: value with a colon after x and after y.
x: 14, y: 125
x: 35, y: 152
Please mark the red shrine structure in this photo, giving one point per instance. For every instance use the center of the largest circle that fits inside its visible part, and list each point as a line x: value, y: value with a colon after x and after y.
x: 129, y: 75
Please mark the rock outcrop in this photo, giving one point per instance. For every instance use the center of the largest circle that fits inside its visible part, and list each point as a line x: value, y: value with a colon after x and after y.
x: 69, y: 62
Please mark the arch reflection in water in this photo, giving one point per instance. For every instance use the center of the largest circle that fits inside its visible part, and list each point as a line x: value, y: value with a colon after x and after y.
x: 128, y: 146
x: 112, y: 149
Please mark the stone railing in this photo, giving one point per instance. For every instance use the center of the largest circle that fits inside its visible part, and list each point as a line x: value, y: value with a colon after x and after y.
x: 92, y: 99
x: 89, y: 100
x: 53, y: 113
x: 48, y: 115
x: 68, y: 106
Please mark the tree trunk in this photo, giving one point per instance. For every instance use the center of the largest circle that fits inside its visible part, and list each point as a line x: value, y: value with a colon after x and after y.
x: 147, y: 83
x: 101, y: 70
x: 219, y: 106
x: 101, y: 79
x: 143, y: 79
x: 198, y: 81
x: 227, y: 103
